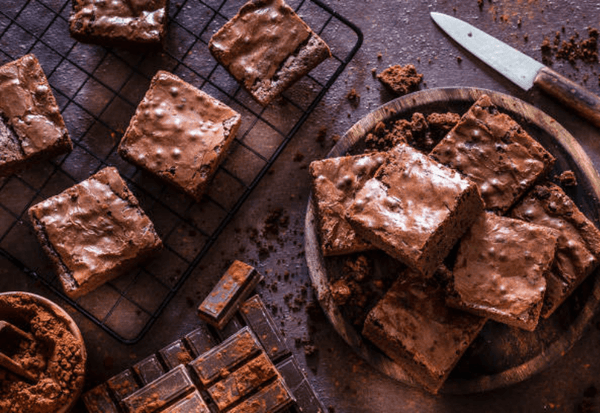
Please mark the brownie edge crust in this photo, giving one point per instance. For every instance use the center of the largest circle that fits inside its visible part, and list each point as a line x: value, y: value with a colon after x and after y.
x: 93, y: 232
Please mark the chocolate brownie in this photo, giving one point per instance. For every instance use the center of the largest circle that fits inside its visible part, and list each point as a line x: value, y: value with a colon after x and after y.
x: 180, y: 134
x: 119, y: 22
x: 500, y: 270
x: 490, y: 148
x: 578, y: 251
x: 401, y: 79
x: 415, y: 209
x: 31, y: 126
x: 334, y: 183
x: 267, y: 47
x: 93, y: 232
x: 413, y: 326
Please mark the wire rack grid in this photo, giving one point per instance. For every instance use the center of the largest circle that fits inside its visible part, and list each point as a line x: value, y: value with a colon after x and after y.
x: 98, y: 89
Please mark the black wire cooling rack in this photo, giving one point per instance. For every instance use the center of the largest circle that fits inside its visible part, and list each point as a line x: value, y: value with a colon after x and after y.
x: 98, y: 90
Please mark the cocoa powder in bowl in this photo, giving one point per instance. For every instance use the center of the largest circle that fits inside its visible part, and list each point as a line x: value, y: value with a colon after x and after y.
x: 56, y: 356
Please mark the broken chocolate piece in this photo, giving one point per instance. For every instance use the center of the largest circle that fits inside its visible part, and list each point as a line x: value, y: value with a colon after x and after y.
x: 242, y: 381
x: 222, y: 358
x: 98, y: 400
x: 175, y: 354
x: 149, y: 369
x: 236, y: 284
x: 260, y: 321
x: 160, y: 392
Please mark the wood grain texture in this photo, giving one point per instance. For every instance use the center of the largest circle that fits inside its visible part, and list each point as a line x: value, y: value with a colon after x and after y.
x: 501, y: 356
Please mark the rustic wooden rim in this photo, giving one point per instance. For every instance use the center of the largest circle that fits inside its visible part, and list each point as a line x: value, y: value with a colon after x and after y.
x: 316, y: 265
x: 60, y: 313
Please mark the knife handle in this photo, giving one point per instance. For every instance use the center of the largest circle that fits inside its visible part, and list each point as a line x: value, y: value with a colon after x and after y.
x: 570, y: 93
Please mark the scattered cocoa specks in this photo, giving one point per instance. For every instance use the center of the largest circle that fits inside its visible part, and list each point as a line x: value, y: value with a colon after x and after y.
x: 353, y: 97
x: 458, y: 59
x: 298, y: 157
x: 574, y: 49
x: 321, y: 134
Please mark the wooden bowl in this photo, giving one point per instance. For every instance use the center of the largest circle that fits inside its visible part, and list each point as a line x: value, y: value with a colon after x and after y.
x: 61, y: 315
x: 501, y: 355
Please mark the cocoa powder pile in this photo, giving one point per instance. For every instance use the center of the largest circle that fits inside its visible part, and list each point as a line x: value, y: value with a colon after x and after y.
x: 55, y: 357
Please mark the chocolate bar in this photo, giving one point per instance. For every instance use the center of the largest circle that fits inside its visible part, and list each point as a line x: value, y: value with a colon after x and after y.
x: 200, y: 341
x: 122, y: 385
x: 258, y: 318
x: 306, y: 399
x: 149, y: 369
x: 175, y: 354
x: 192, y: 403
x: 271, y: 399
x: 235, y: 285
x: 222, y: 358
x: 233, y: 326
x: 160, y: 392
x: 98, y: 400
x: 243, y: 381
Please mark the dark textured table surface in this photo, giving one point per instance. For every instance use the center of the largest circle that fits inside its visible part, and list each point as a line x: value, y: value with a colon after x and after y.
x: 395, y: 32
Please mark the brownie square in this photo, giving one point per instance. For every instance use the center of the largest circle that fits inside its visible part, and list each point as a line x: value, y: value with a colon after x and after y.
x: 415, y: 209
x: 31, y: 126
x: 500, y: 270
x: 119, y: 22
x: 413, y: 326
x: 93, y: 232
x: 490, y: 148
x: 578, y: 250
x: 267, y: 47
x: 179, y: 133
x: 334, y: 184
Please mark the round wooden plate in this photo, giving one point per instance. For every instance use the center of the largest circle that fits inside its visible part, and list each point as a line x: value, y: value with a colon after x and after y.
x: 501, y: 355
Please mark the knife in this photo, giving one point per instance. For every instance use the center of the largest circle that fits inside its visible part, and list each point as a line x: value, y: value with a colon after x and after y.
x: 519, y: 68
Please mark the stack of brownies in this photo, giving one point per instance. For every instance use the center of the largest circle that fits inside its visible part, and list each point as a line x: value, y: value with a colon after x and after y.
x: 481, y: 234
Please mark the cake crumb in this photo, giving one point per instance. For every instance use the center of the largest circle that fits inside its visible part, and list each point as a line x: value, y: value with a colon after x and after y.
x: 353, y: 97
x: 567, y: 178
x: 401, y: 79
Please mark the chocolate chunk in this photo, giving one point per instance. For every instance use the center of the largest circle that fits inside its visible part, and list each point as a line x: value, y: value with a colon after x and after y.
x: 175, y: 354
x: 122, y: 385
x: 415, y: 209
x: 260, y: 321
x: 200, y: 341
x: 179, y: 134
x: 149, y: 369
x: 31, y: 126
x: 94, y: 232
x: 220, y: 359
x: 267, y: 47
x: 291, y: 373
x: 190, y: 404
x: 270, y: 399
x: 162, y: 391
x: 233, y: 326
x: 306, y: 399
x: 242, y: 381
x: 236, y: 284
x: 98, y: 400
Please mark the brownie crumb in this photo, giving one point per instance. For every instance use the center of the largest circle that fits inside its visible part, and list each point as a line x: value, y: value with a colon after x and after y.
x: 353, y: 97
x: 458, y: 59
x: 546, y: 49
x: 567, y: 178
x: 276, y: 221
x: 572, y: 50
x: 401, y: 79
x: 480, y: 4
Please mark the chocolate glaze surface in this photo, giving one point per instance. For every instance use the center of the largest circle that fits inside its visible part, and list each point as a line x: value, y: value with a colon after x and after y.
x: 411, y: 198
x: 137, y: 21
x: 500, y: 268
x: 413, y: 326
x: 495, y: 152
x: 30, y: 121
x: 95, y: 226
x: 258, y: 40
x: 335, y: 182
x: 578, y: 250
x: 179, y: 133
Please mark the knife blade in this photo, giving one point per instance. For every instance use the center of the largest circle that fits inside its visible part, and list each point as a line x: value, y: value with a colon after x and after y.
x: 519, y: 68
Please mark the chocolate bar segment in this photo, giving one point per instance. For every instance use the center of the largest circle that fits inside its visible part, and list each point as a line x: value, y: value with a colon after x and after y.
x: 243, y: 381
x: 192, y: 403
x: 160, y: 392
x: 222, y: 358
x: 123, y: 384
x: 98, y: 400
x: 175, y: 354
x: 200, y: 341
x: 233, y: 326
x: 235, y: 285
x: 149, y: 369
x: 271, y: 399
x: 258, y: 318
x: 306, y: 399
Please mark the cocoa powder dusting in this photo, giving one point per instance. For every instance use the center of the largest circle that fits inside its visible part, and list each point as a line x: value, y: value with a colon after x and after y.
x: 54, y: 356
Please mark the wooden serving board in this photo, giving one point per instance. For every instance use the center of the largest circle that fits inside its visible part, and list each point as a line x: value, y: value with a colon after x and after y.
x: 501, y: 355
